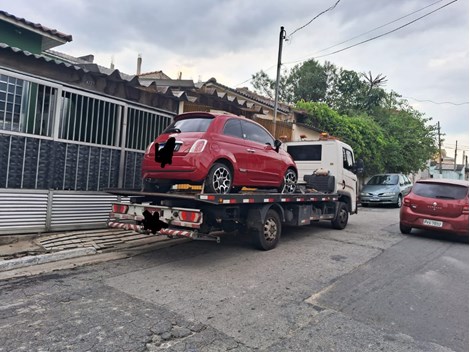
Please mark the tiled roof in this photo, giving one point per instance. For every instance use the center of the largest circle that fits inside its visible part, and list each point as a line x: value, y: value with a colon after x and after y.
x: 153, y: 75
x: 213, y: 87
x: 35, y: 26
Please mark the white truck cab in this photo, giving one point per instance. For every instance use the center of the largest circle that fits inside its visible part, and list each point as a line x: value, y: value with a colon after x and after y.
x: 331, y: 156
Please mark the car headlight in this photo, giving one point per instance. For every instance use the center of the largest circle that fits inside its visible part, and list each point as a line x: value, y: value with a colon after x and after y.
x: 387, y: 194
x: 363, y: 194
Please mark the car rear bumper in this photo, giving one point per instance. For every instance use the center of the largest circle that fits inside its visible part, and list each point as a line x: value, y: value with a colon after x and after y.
x: 188, y: 168
x: 458, y: 225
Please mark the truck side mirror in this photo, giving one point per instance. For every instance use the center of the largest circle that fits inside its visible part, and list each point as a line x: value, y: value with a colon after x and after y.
x: 277, y: 145
x: 358, y: 166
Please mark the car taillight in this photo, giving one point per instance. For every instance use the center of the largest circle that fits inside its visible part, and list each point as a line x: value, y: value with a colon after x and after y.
x: 406, y: 202
x: 198, y: 146
x: 120, y: 208
x: 465, y: 209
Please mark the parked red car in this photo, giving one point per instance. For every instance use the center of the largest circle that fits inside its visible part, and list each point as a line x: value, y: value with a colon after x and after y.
x: 226, y: 152
x: 438, y: 205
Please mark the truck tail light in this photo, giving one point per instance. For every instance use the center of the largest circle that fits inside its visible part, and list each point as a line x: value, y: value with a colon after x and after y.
x: 120, y: 208
x: 198, y: 146
x: 189, y: 216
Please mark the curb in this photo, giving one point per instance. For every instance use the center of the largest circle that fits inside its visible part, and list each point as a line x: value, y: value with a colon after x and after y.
x: 45, y: 258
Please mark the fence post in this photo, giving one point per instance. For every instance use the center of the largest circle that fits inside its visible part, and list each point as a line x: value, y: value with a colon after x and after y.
x: 50, y: 198
x: 122, y: 161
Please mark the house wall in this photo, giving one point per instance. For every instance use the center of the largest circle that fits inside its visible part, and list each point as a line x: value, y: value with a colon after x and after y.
x: 297, y: 131
x: 17, y: 37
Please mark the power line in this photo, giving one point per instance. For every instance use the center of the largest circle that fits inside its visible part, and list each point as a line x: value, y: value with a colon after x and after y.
x: 438, y: 102
x: 365, y: 41
x: 369, y: 31
x: 383, y: 34
x: 321, y: 13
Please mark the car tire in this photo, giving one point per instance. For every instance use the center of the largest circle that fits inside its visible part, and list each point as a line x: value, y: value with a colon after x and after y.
x: 342, y: 216
x: 267, y: 235
x: 289, y: 182
x: 406, y: 230
x: 399, y: 201
x: 219, y: 179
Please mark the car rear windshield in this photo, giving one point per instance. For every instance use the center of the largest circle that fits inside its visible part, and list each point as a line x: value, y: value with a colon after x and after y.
x: 195, y: 124
x: 440, y: 190
x: 305, y: 152
x: 383, y: 180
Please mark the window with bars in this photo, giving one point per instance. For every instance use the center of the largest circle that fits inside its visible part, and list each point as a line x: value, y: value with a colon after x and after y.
x: 11, y: 91
x: 26, y: 106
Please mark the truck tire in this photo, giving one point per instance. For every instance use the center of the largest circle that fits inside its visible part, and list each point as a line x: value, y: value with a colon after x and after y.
x: 267, y: 235
x: 342, y: 216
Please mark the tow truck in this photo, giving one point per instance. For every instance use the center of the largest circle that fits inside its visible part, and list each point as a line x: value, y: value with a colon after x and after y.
x: 328, y: 192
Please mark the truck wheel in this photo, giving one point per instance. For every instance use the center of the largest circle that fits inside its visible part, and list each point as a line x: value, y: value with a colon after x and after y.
x: 267, y: 236
x: 341, y: 219
x: 219, y: 180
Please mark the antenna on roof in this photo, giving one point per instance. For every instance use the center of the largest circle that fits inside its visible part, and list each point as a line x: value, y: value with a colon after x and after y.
x: 112, y: 63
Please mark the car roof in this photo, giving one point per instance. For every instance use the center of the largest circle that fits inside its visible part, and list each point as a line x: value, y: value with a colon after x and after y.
x: 447, y: 181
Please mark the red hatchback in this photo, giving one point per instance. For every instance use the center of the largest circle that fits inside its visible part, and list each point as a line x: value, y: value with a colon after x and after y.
x: 225, y: 152
x: 438, y: 205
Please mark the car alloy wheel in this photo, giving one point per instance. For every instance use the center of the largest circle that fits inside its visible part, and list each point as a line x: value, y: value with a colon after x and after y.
x: 290, y: 182
x: 219, y: 179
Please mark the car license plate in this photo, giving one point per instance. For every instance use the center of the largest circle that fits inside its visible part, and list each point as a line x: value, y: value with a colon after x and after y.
x: 375, y: 199
x: 432, y: 223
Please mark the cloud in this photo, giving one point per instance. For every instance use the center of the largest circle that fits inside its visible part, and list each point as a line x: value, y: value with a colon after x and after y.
x: 232, y: 39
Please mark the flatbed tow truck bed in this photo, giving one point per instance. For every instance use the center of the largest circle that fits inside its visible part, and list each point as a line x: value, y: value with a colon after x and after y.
x: 198, y: 216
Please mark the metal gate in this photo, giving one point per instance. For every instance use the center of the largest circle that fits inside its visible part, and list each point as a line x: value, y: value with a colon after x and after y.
x: 55, y: 138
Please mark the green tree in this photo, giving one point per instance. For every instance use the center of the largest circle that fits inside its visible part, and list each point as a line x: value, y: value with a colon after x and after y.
x: 361, y: 132
x: 410, y: 138
x: 384, y: 130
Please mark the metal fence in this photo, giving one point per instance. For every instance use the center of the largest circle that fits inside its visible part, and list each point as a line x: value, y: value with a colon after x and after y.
x: 56, y: 137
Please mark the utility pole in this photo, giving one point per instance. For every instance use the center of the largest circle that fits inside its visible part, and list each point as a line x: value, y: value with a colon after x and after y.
x: 282, y: 36
x: 440, y: 150
x: 455, y: 157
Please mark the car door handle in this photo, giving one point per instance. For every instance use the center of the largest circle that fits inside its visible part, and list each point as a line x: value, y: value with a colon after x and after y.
x: 250, y: 150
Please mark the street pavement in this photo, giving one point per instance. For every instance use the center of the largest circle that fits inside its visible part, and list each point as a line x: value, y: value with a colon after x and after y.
x: 52, y: 251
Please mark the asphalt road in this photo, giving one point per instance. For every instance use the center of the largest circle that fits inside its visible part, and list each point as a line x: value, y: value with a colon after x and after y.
x: 366, y: 288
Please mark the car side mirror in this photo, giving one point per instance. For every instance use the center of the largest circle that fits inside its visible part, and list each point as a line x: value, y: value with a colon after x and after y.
x: 277, y: 145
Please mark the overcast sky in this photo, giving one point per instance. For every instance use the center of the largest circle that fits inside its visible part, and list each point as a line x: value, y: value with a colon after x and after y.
x: 232, y: 39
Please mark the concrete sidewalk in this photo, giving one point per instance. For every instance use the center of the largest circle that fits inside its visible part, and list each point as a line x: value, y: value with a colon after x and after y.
x: 19, y: 253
